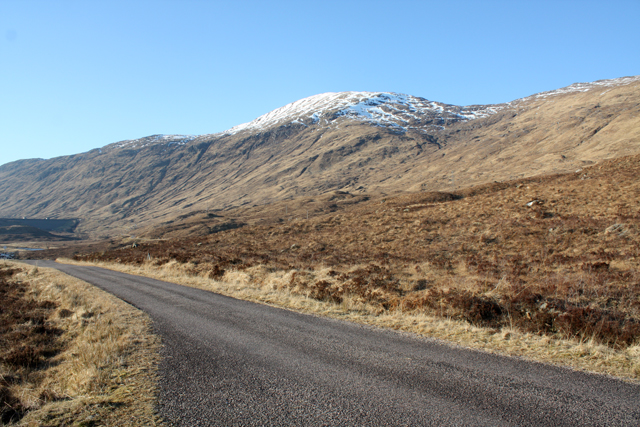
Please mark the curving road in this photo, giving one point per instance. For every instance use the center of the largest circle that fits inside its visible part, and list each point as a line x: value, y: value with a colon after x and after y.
x: 228, y: 362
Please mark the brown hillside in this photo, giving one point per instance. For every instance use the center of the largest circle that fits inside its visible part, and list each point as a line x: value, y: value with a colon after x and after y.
x: 557, y: 255
x: 122, y: 187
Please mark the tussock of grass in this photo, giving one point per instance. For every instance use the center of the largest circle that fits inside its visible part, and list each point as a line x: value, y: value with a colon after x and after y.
x: 100, y: 369
x: 263, y: 285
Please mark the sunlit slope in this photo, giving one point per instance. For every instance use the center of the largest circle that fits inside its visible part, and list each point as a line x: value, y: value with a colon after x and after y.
x: 357, y: 142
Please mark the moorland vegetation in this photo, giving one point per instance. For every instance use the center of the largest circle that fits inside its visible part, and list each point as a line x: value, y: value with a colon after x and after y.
x: 71, y: 354
x: 555, y: 256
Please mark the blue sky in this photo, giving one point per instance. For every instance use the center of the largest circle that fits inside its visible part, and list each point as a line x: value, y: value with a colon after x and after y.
x: 76, y: 75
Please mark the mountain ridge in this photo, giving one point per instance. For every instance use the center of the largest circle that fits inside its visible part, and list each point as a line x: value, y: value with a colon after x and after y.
x: 272, y: 118
x: 366, y: 142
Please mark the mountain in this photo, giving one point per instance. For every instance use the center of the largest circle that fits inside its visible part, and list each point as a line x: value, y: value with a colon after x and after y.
x: 359, y: 142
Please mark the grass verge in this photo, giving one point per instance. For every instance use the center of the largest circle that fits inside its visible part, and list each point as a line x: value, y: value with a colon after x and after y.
x: 74, y: 354
x: 272, y: 287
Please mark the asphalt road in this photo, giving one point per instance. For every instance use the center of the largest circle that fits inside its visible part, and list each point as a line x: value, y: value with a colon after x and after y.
x: 228, y: 362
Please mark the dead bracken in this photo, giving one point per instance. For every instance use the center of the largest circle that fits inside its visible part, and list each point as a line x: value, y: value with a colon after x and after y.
x: 564, y: 267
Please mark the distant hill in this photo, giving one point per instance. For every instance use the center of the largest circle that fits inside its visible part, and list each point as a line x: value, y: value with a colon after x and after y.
x: 26, y: 233
x: 54, y: 225
x: 30, y: 230
x: 356, y: 142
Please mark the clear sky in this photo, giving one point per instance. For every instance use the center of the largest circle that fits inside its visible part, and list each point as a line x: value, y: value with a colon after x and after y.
x: 76, y: 75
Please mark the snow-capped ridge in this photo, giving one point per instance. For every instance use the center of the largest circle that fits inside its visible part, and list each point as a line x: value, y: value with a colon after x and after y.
x: 400, y: 112
x: 385, y: 109
x: 154, y: 140
x: 585, y: 87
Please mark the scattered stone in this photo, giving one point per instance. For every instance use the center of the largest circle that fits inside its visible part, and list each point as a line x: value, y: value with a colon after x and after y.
x: 619, y: 229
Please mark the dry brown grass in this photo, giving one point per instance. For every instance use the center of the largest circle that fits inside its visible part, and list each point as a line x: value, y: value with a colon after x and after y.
x: 259, y: 284
x: 554, y: 257
x: 82, y: 357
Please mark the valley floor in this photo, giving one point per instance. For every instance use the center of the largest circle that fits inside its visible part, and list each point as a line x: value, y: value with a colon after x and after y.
x: 231, y: 362
x: 587, y: 355
x: 553, y: 259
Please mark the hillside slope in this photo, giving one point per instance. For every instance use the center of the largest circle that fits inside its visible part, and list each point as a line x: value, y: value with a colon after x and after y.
x: 357, y: 141
x: 553, y: 255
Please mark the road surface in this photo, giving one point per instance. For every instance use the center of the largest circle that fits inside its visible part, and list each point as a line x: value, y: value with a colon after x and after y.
x: 227, y: 362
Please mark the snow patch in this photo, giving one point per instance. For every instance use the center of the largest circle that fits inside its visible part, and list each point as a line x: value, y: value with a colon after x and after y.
x: 385, y: 109
x: 585, y: 87
x: 154, y: 140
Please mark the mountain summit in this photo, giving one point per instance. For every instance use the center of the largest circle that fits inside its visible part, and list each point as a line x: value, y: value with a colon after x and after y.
x: 360, y: 142
x: 396, y: 111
